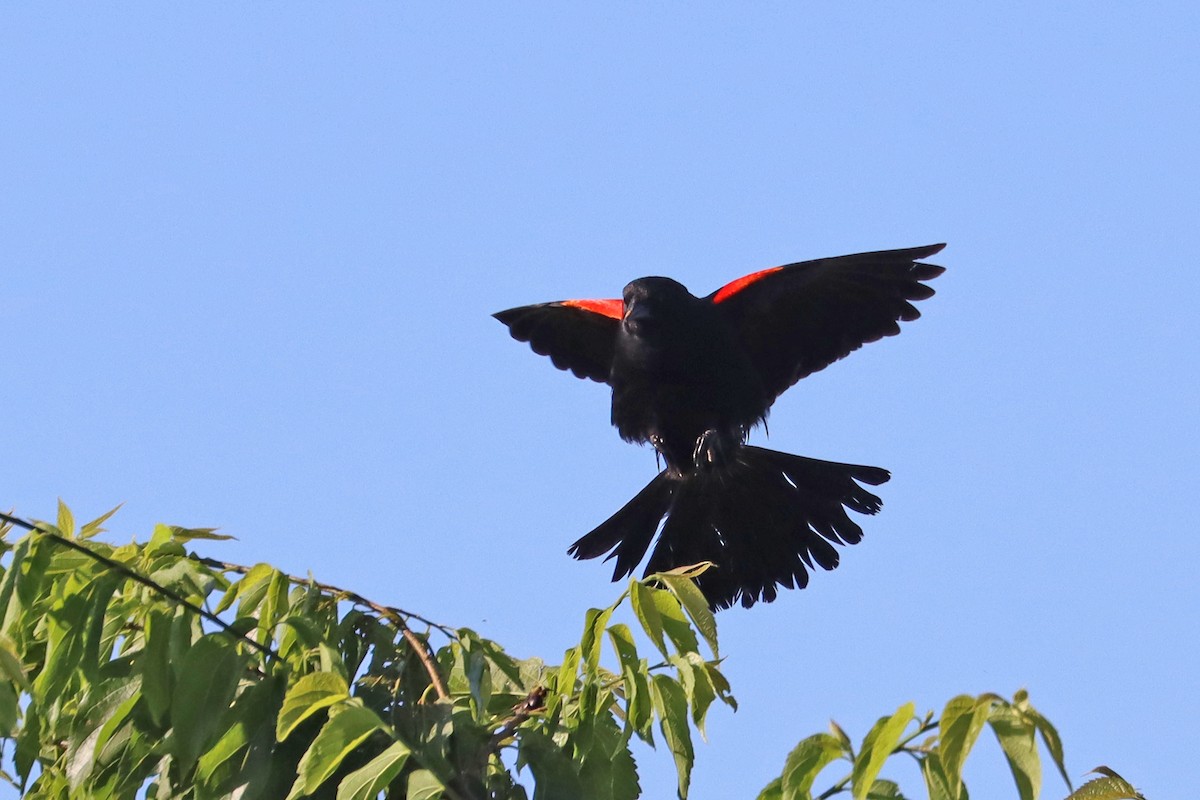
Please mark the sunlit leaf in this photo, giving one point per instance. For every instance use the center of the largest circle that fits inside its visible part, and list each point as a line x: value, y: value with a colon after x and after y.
x: 641, y: 598
x: 638, y: 703
x: 184, y: 535
x: 674, y: 623
x: 696, y: 606
x: 962, y: 721
x: 879, y: 743
x: 595, y: 621
x: 1053, y: 742
x: 66, y: 521
x: 885, y: 790
x: 772, y: 791
x: 307, y: 696
x: 96, y: 526
x: 1016, y: 732
x: 805, y: 762
x: 1110, y: 786
x: 671, y: 705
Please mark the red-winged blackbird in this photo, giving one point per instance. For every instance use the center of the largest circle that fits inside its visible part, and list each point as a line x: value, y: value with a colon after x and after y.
x: 692, y: 376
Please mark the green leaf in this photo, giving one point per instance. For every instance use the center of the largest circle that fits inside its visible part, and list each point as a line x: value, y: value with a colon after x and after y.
x: 274, y: 607
x: 700, y: 689
x: 772, y: 791
x: 184, y: 535
x: 307, y: 696
x: 66, y: 520
x: 885, y: 790
x: 671, y: 704
x: 155, y: 663
x: 204, y: 686
x: 642, y: 599
x: 638, y: 703
x: 252, y: 588
x: 1016, y: 734
x: 10, y: 710
x: 253, y: 714
x: 606, y: 766
x: 1109, y: 787
x: 674, y: 623
x: 110, y: 709
x: 10, y: 663
x: 936, y: 782
x: 367, y: 782
x: 962, y: 721
x: 805, y: 762
x: 697, y: 607
x: 95, y: 527
x: 32, y: 574
x: 12, y: 608
x: 424, y: 785
x: 879, y: 743
x: 349, y: 726
x: 66, y: 622
x: 479, y: 681
x: 842, y: 737
x: 593, y: 629
x: 29, y: 744
x: 1053, y: 742
x: 555, y: 775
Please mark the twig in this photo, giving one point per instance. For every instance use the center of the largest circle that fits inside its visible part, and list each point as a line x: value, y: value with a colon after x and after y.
x: 424, y: 653
x: 126, y: 571
x: 395, y: 615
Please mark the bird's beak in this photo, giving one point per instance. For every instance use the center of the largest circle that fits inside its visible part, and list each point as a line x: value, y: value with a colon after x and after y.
x: 636, y: 312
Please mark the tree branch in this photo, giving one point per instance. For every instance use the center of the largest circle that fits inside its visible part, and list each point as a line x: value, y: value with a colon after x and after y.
x: 137, y: 577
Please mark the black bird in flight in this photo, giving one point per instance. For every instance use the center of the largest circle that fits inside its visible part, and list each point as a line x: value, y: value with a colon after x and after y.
x: 692, y: 375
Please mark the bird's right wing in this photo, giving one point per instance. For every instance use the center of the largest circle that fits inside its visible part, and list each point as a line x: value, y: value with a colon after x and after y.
x: 799, y: 318
x: 578, y: 335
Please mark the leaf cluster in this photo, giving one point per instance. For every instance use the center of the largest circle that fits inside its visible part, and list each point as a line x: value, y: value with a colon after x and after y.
x: 110, y: 688
x: 940, y: 747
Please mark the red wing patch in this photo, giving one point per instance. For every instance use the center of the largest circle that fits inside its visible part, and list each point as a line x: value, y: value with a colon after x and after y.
x: 732, y: 288
x: 607, y: 308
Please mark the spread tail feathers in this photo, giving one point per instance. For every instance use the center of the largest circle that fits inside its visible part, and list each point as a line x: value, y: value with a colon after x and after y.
x: 764, y: 518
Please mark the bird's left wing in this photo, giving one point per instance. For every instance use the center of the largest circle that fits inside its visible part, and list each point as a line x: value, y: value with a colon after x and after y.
x: 578, y: 335
x: 799, y: 318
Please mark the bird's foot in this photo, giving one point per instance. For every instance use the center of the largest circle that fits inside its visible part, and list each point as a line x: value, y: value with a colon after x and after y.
x: 712, y: 450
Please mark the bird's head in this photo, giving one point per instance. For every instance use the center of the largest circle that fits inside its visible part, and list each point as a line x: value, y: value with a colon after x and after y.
x: 653, y: 302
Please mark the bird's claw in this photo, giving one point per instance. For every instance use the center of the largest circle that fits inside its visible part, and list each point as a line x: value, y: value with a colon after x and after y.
x: 711, y: 450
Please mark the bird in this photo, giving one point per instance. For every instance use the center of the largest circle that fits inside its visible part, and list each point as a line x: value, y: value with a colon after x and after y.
x: 692, y: 376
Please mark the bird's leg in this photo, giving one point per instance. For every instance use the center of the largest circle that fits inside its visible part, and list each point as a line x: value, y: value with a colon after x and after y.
x: 712, y: 449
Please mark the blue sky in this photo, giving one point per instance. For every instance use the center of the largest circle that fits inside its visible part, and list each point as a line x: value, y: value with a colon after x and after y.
x: 250, y: 253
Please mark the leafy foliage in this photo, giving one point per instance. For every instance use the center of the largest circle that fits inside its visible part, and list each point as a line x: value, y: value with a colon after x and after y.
x: 940, y: 747
x: 108, y: 687
x: 116, y: 681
